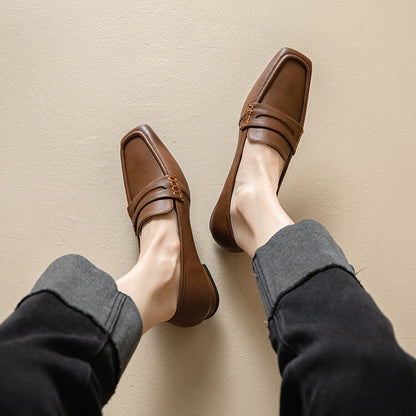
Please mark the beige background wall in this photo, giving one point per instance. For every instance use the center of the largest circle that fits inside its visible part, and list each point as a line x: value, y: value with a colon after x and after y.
x: 76, y: 76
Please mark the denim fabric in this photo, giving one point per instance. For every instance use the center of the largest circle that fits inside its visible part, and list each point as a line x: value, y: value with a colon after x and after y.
x: 337, y: 352
x: 62, y: 351
x: 291, y: 255
x: 54, y: 360
x: 90, y: 290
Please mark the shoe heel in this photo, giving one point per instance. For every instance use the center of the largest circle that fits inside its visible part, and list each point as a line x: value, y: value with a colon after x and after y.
x: 215, y: 290
x: 222, y: 234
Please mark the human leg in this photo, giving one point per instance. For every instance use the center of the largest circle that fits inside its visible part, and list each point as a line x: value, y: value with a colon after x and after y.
x: 64, y: 348
x: 336, y: 351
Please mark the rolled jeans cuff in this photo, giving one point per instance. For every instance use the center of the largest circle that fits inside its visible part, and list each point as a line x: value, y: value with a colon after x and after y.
x: 291, y: 256
x: 94, y: 293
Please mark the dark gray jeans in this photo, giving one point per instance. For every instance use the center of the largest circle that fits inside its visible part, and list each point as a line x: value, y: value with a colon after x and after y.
x: 65, y: 347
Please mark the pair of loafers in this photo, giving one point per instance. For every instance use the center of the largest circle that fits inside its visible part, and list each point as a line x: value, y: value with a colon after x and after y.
x: 273, y: 114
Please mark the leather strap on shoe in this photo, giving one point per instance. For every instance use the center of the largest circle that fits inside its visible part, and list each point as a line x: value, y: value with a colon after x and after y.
x: 263, y: 116
x: 165, y: 187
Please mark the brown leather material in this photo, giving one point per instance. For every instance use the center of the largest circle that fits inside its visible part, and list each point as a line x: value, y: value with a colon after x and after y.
x: 155, y: 185
x: 273, y: 114
x: 262, y: 116
x: 165, y: 187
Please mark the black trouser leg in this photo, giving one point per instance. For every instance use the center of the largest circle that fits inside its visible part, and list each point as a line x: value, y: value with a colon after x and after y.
x: 64, y: 348
x: 336, y: 351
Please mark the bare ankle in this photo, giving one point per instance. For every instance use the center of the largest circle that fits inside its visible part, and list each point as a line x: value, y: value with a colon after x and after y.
x: 153, y: 283
x: 256, y: 216
x: 255, y: 212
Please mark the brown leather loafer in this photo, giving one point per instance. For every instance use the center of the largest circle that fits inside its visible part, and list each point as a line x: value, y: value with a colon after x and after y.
x: 273, y: 114
x: 155, y: 185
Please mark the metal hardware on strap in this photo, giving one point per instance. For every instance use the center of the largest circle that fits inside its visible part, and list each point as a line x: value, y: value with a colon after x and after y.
x: 173, y: 180
x: 247, y: 115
